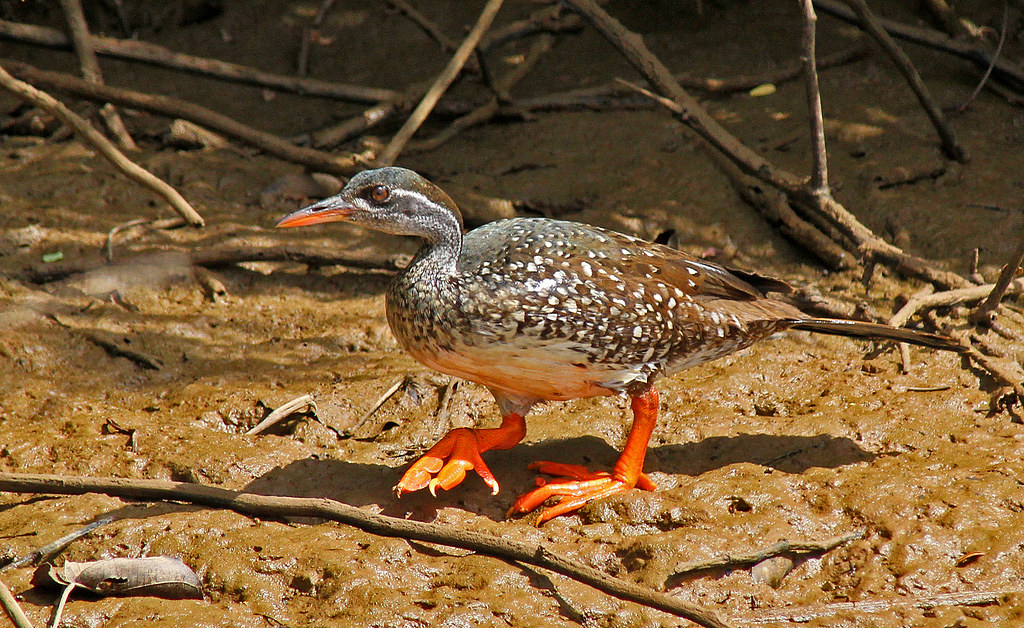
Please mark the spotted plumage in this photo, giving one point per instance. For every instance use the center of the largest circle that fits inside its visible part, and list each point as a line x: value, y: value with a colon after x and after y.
x: 538, y: 309
x: 556, y: 310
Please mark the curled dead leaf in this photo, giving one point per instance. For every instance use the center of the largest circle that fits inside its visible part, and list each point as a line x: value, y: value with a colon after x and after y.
x: 158, y: 576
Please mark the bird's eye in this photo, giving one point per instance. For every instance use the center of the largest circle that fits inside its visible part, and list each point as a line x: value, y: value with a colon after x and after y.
x: 380, y: 193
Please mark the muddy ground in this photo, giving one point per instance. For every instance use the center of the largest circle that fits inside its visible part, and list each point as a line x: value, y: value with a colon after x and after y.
x: 798, y: 438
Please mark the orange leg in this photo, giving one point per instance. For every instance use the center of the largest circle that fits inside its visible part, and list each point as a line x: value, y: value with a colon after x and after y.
x: 581, y: 486
x: 445, y: 464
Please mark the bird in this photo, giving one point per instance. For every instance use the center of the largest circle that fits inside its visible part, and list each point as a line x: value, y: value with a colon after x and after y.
x: 538, y: 309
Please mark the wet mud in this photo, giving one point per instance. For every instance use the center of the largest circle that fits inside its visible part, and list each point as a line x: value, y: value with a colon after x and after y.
x: 798, y: 438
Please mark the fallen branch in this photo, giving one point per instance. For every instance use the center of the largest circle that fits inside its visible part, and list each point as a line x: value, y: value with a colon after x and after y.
x: 1004, y: 69
x: 51, y: 549
x: 441, y: 84
x: 986, y: 311
x: 137, y: 173
x: 728, y: 561
x: 218, y: 256
x: 690, y: 112
x: 428, y: 26
x: 819, y: 171
x: 281, y: 412
x: 805, y: 614
x: 825, y: 213
x: 920, y: 302
x: 75, y: 18
x: 153, y: 54
x: 264, y: 506
x: 344, y: 165
x: 873, y: 27
x: 486, y: 112
x: 771, y: 204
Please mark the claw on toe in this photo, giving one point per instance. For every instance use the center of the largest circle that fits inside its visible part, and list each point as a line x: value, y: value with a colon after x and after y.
x: 576, y: 487
x: 446, y: 464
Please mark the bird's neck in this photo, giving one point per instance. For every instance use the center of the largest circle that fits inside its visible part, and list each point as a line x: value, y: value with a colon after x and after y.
x: 438, y: 258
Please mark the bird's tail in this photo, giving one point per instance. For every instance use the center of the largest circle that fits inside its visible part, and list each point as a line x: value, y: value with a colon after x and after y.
x: 859, y: 329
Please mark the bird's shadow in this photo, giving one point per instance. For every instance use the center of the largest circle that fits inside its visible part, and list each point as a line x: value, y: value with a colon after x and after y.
x: 361, y: 484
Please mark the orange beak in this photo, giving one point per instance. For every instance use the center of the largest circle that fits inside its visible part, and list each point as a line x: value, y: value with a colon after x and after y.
x: 327, y: 210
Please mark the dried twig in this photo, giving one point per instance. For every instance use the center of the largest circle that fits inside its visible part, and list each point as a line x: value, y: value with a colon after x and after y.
x: 154, y: 224
x: 399, y: 384
x: 819, y: 172
x: 428, y: 26
x: 91, y: 69
x: 873, y: 27
x: 50, y: 549
x: 925, y: 301
x: 690, y: 112
x: 441, y: 84
x: 995, y: 58
x: 1005, y: 70
x: 487, y: 111
x: 158, y: 55
x: 727, y: 561
x: 806, y: 614
x: 219, y: 256
x: 254, y: 504
x: 81, y: 126
x: 117, y: 350
x: 345, y: 165
x: 284, y: 410
x: 986, y: 311
x: 771, y: 204
x: 308, y: 34
x: 12, y: 608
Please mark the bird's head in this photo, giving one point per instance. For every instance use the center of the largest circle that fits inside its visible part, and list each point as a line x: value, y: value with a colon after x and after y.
x: 393, y: 200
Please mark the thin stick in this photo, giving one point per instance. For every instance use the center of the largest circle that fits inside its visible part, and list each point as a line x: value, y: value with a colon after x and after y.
x: 804, y: 614
x: 1005, y: 70
x: 158, y: 55
x: 79, y: 29
x: 12, y: 608
x: 782, y: 547
x: 399, y: 384
x: 920, y: 302
x: 986, y: 311
x: 154, y: 224
x: 426, y: 24
x: 90, y: 70
x: 307, y: 37
x: 691, y: 113
x: 441, y: 84
x: 903, y: 63
x: 253, y: 504
x: 995, y: 58
x: 819, y: 173
x: 819, y: 209
x: 81, y: 126
x: 356, y: 125
x: 344, y: 164
x: 904, y: 347
x: 771, y: 204
x: 48, y: 550
x: 502, y: 87
x: 59, y: 610
x: 219, y: 256
x: 282, y: 411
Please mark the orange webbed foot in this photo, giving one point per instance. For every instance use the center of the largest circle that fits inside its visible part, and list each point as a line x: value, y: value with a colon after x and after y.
x: 576, y: 487
x: 445, y: 465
